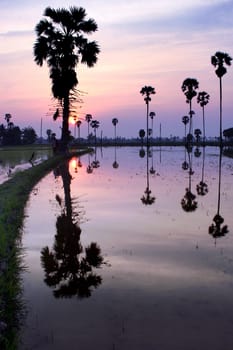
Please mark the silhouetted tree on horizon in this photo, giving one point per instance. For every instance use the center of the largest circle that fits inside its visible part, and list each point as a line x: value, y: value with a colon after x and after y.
x: 62, y: 44
x: 189, y: 87
x: 218, y: 60
x: 115, y: 122
x: 203, y: 100
x: 185, y: 120
x: 147, y: 91
x: 88, y: 119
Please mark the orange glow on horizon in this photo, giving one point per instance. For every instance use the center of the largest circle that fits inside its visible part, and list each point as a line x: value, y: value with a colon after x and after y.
x: 73, y: 120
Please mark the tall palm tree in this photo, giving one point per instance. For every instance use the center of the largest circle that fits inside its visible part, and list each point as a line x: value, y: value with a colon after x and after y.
x: 203, y: 99
x: 115, y: 122
x: 78, y: 123
x: 197, y: 133
x: 61, y: 42
x: 152, y: 115
x: 142, y: 134
x: 95, y: 124
x: 218, y: 60
x: 185, y: 120
x: 189, y: 87
x: 147, y: 91
x: 88, y: 119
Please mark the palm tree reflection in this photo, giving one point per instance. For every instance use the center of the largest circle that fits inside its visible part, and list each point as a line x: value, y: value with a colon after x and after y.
x: 95, y: 163
x: 68, y: 266
x: 189, y: 202
x: 89, y: 167
x: 115, y: 164
x: 148, y: 198
x: 202, y: 187
x: 217, y: 229
x: 185, y: 164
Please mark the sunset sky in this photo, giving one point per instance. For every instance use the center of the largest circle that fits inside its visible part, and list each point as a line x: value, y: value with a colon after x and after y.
x: 158, y: 43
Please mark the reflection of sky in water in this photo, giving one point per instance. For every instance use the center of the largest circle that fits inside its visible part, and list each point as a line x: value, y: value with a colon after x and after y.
x: 13, y: 161
x: 168, y: 285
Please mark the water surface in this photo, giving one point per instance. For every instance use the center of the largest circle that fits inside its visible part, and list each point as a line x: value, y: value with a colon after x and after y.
x: 166, y: 279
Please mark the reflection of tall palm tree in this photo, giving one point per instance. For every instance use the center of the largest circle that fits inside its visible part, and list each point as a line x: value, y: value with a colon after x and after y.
x: 197, y: 152
x: 189, y: 202
x: 218, y: 60
x: 147, y: 198
x: 115, y: 164
x: 202, y: 187
x: 215, y: 228
x: 89, y: 167
x: 152, y: 170
x: 185, y: 120
x: 189, y: 88
x: 185, y: 164
x: 147, y: 91
x: 95, y: 163
x: 203, y: 100
x: 68, y: 266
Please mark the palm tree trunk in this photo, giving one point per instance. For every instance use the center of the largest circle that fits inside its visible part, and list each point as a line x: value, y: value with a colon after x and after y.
x: 147, y: 127
x: 219, y: 180
x: 190, y: 118
x: 65, y: 122
x: 220, y: 121
x: 203, y: 118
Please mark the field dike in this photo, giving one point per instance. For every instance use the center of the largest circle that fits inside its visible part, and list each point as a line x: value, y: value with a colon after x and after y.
x: 14, y: 195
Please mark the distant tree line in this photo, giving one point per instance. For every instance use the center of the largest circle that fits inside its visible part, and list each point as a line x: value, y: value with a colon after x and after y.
x: 11, y: 134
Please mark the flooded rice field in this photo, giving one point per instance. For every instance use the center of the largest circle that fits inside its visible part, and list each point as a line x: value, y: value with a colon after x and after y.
x: 126, y: 249
x: 15, y: 160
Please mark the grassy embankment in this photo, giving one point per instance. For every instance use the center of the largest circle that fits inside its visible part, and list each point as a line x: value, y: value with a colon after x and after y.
x: 13, y: 197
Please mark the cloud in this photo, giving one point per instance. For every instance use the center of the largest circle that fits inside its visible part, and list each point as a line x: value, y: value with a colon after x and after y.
x: 16, y: 34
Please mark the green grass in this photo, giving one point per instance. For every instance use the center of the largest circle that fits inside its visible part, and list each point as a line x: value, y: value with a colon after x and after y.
x: 14, y: 195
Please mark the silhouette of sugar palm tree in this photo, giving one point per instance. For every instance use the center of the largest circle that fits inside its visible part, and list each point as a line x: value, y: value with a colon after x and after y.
x: 189, y: 87
x: 203, y: 100
x: 218, y: 60
x: 62, y: 43
x: 147, y: 91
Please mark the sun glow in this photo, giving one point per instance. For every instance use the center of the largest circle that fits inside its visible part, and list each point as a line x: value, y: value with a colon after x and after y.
x: 73, y: 119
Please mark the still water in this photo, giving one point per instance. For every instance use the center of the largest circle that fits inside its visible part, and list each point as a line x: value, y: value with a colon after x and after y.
x: 121, y: 252
x: 15, y: 160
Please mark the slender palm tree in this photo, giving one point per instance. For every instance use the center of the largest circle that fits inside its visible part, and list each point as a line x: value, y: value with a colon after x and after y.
x: 95, y: 124
x: 218, y: 60
x: 147, y: 91
x: 142, y: 134
x: 78, y: 123
x: 189, y: 87
x: 185, y: 120
x: 197, y: 133
x: 88, y: 119
x: 203, y: 99
x: 115, y: 122
x: 61, y: 42
x: 152, y: 115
